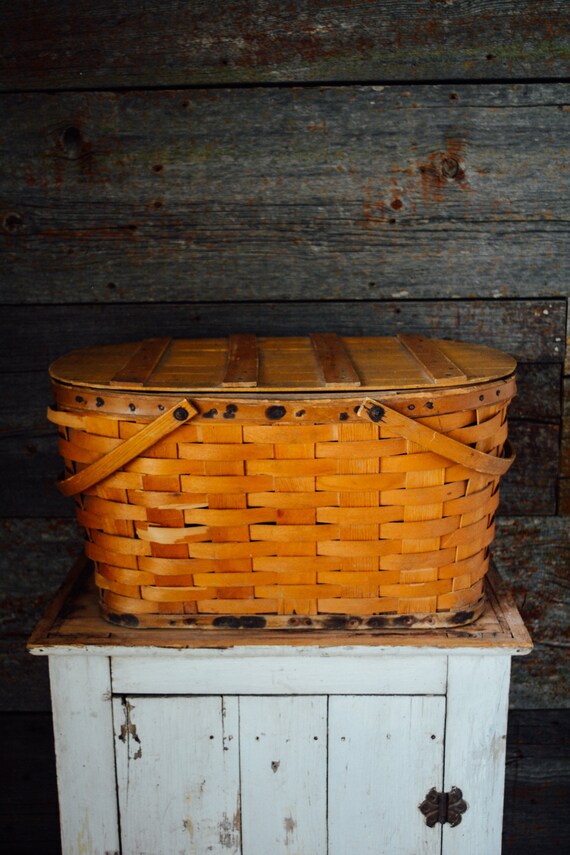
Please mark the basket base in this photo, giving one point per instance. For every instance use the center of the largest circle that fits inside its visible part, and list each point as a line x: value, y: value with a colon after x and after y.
x: 296, y: 623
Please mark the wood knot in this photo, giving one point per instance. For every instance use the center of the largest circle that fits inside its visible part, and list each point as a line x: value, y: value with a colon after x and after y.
x: 13, y: 224
x: 450, y: 167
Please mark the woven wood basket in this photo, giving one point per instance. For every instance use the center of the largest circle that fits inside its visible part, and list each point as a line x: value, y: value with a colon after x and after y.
x: 310, y: 482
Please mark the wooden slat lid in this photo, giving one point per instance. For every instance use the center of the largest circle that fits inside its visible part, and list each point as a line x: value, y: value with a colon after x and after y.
x: 318, y: 363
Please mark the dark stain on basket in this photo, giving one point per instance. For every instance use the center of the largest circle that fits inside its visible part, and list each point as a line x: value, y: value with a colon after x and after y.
x: 243, y: 622
x: 335, y: 622
x: 462, y: 617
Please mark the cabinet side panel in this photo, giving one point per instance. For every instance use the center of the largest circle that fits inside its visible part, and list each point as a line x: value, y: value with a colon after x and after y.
x: 83, y: 728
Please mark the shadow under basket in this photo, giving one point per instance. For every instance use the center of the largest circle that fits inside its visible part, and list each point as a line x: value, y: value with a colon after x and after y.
x: 305, y: 483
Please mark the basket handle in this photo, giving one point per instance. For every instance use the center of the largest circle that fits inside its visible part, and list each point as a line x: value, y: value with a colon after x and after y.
x: 178, y: 415
x: 432, y: 440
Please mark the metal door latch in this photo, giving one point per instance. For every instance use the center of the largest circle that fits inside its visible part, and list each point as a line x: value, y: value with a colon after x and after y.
x: 443, y: 807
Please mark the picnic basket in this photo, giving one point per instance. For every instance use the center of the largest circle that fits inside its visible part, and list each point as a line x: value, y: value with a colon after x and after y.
x: 301, y: 483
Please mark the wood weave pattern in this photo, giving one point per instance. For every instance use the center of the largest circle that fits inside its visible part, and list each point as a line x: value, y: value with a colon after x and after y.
x: 245, y: 516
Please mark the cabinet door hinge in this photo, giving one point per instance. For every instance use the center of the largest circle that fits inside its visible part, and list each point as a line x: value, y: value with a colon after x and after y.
x: 443, y: 807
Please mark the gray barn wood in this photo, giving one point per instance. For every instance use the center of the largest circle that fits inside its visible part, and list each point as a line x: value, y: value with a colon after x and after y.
x: 80, y: 45
x: 286, y: 193
x: 532, y: 331
x: 201, y: 169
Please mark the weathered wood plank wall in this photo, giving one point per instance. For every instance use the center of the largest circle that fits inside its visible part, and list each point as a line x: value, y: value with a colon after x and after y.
x: 267, y: 167
x: 196, y: 169
x: 325, y: 193
x: 72, y: 45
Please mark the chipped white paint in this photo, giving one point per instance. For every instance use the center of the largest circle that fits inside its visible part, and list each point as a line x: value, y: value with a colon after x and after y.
x: 281, y: 751
x: 178, y: 775
x: 476, y: 735
x: 82, y: 723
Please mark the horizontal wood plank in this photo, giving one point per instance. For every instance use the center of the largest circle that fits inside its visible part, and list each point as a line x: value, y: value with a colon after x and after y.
x: 537, y: 782
x: 532, y: 555
x: 537, y: 392
x: 532, y: 331
x: 36, y: 556
x: 63, y: 45
x: 564, y: 491
x: 27, y: 749
x: 285, y: 193
x: 530, y: 487
x: 266, y: 674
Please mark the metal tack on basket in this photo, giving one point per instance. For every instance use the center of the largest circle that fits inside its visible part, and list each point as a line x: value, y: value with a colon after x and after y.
x: 303, y: 483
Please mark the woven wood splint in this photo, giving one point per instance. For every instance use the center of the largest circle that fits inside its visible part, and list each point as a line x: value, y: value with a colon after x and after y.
x: 304, y: 483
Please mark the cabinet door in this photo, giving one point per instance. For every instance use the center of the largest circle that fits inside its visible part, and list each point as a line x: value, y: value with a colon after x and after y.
x: 283, y: 751
x: 178, y: 775
x: 277, y: 775
x: 385, y: 754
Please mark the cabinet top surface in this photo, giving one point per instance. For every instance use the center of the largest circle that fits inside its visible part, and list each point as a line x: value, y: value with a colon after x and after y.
x: 72, y: 623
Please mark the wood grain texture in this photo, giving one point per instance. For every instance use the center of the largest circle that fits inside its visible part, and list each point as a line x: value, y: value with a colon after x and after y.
x: 87, y: 216
x: 83, y: 724
x: 283, y: 758
x: 35, y: 558
x: 266, y: 673
x: 475, y: 744
x: 172, y: 43
x: 537, y: 782
x: 532, y: 555
x: 189, y: 748
x: 285, y: 193
x: 536, y: 793
x: 538, y: 394
x: 564, y: 487
x: 531, y: 330
x: 530, y: 487
x: 371, y: 740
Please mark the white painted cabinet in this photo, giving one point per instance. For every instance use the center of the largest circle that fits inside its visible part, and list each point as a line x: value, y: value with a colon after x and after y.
x: 273, y: 745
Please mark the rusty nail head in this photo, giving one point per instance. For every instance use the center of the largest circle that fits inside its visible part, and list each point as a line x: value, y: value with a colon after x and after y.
x: 375, y: 412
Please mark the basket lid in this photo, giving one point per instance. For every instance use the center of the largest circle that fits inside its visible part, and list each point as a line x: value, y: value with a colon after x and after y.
x: 315, y: 363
